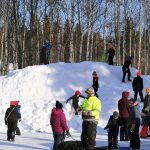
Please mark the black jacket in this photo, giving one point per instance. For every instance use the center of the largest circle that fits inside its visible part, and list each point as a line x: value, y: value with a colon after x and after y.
x: 126, y: 64
x: 111, y: 53
x: 146, y: 106
x: 113, y: 125
x: 137, y: 84
x: 11, y: 115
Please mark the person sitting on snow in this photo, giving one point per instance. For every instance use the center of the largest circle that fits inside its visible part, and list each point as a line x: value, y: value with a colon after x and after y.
x: 75, y: 100
x: 58, y: 124
x: 113, y: 129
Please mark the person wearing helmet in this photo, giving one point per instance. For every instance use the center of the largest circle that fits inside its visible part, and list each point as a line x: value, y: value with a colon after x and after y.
x: 11, y: 119
x: 75, y: 100
x: 95, y: 82
x: 137, y: 85
x: 91, y: 108
x: 113, y: 129
x: 126, y: 69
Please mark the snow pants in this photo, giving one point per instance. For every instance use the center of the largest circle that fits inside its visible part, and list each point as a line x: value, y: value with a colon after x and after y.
x: 11, y: 128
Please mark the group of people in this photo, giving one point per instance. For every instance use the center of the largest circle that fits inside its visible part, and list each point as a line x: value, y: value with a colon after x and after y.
x: 90, y: 108
x: 12, y: 116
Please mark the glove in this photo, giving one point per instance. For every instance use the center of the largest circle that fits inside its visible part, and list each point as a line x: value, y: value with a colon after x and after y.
x: 67, y: 133
x: 84, y: 114
x: 19, y: 120
x: 6, y: 122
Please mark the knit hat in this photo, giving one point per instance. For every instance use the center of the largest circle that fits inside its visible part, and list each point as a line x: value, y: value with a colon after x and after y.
x: 90, y: 91
x: 94, y: 73
x: 77, y: 92
x: 59, y: 105
x: 138, y: 73
x: 148, y: 90
x: 13, y: 103
x: 115, y: 115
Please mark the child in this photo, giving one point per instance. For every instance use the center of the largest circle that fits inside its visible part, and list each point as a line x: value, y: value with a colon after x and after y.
x: 95, y: 82
x: 113, y: 129
x: 58, y: 124
x: 75, y: 102
x: 11, y: 119
x: 18, y: 107
x: 134, y: 124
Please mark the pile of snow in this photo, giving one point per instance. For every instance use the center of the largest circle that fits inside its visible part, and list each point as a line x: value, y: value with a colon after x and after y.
x: 38, y: 87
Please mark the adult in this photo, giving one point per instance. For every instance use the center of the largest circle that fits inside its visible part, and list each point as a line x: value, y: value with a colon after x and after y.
x: 123, y: 107
x: 146, y: 116
x: 111, y: 53
x: 11, y: 119
x: 126, y: 69
x: 134, y: 124
x: 58, y: 124
x: 91, y: 108
x: 45, y: 52
x: 137, y: 85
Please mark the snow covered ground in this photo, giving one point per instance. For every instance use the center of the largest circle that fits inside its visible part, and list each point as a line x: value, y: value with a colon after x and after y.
x: 38, y: 87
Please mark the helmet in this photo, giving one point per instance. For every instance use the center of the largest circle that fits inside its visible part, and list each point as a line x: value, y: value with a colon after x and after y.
x: 77, y: 92
x: 115, y: 114
x: 94, y: 73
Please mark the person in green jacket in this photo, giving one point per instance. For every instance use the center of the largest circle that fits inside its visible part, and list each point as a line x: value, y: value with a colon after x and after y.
x: 91, y: 108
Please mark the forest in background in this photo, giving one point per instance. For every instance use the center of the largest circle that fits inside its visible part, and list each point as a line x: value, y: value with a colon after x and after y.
x: 78, y: 30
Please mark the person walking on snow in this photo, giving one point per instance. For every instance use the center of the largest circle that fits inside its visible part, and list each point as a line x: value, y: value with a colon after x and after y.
x: 123, y: 107
x: 137, y: 85
x: 126, y: 69
x: 11, y: 119
x: 113, y: 129
x: 18, y: 107
x: 111, y: 53
x: 58, y: 124
x: 95, y: 82
x: 91, y: 108
x: 75, y: 100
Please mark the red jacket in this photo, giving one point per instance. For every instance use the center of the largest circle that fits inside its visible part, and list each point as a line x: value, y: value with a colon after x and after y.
x: 58, y: 121
x: 123, y: 105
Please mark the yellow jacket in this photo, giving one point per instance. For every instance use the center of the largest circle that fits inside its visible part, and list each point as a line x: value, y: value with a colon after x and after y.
x: 92, y: 105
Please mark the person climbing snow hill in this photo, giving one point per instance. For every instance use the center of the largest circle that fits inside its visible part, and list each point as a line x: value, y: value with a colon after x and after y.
x: 95, y: 82
x: 75, y: 100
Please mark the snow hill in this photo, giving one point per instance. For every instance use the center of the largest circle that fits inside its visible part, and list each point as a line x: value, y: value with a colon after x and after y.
x: 38, y: 87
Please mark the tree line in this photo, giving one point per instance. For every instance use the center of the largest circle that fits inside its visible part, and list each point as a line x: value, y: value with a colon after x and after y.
x: 78, y: 30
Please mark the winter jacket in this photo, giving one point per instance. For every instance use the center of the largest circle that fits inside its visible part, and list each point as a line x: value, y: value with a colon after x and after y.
x: 123, y: 105
x: 58, y: 121
x: 146, y: 106
x: 75, y: 99
x: 126, y: 65
x: 137, y: 84
x: 95, y: 83
x: 111, y: 53
x: 113, y: 126
x: 11, y: 115
x: 92, y: 105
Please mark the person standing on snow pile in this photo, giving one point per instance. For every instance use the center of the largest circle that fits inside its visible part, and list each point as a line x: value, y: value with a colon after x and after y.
x: 75, y: 100
x: 111, y: 53
x: 58, y: 124
x: 126, y: 68
x: 91, y: 108
x: 95, y: 82
x: 123, y: 107
x: 134, y: 124
x: 45, y: 52
x: 113, y: 129
x: 137, y: 85
x: 146, y: 115
x: 18, y: 107
x: 11, y: 119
